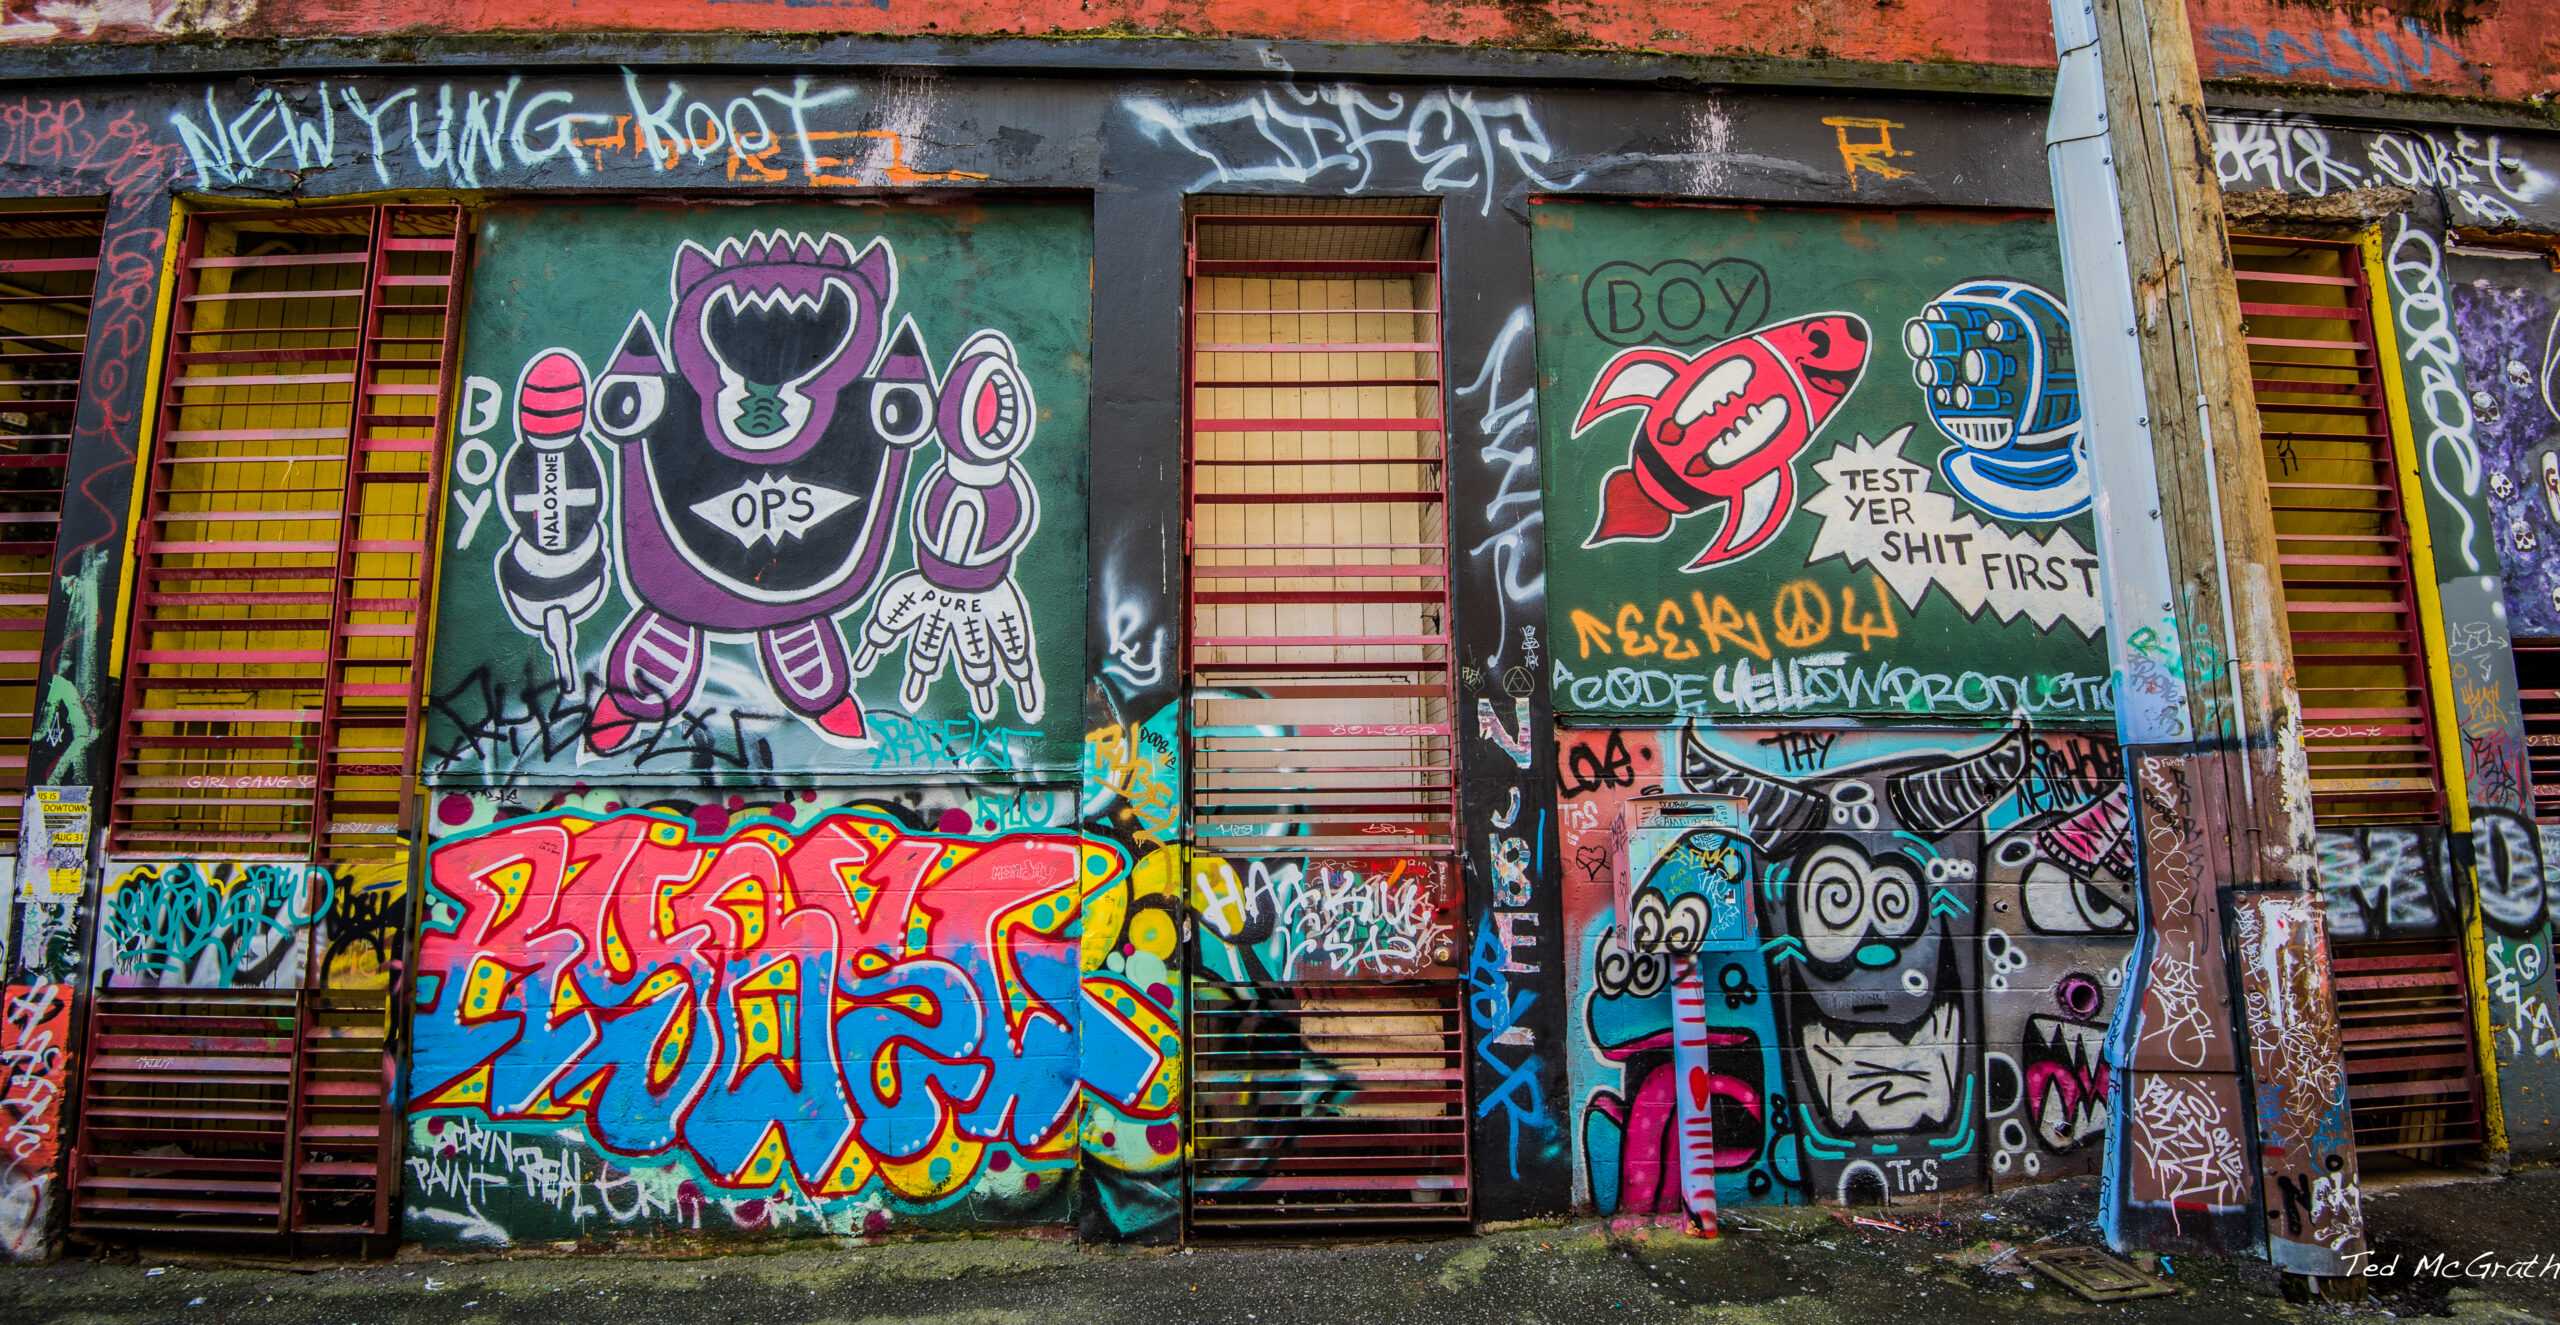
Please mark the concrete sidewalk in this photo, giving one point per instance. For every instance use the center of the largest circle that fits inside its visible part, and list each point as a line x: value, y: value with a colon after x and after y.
x: 1774, y: 1264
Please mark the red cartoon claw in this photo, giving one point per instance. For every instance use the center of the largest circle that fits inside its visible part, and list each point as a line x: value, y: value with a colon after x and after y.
x: 1723, y: 428
x: 845, y: 720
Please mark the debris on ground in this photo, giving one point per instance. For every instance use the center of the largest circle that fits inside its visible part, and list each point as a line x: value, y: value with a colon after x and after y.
x: 2095, y: 1276
x: 1991, y: 1256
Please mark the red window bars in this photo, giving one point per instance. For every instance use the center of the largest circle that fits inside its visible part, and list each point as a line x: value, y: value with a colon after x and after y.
x: 2538, y: 692
x: 273, y: 670
x: 2341, y: 542
x: 2351, y: 606
x: 238, y: 1111
x: 1321, y: 691
x: 48, y: 269
x: 272, y: 682
x: 1320, y: 704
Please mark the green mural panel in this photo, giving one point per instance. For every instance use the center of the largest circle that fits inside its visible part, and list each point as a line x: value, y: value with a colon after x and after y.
x: 740, y: 494
x: 1813, y: 462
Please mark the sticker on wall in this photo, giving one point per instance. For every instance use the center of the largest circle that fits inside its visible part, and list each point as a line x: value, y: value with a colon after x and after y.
x: 766, y: 500
x: 53, y: 840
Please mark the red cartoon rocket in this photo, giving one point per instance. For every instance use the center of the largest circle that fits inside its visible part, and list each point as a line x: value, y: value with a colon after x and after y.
x: 1725, y: 426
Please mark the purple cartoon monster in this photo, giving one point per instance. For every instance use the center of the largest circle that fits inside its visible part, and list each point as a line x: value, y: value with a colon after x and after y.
x: 973, y: 513
x: 764, y: 451
x: 764, y: 443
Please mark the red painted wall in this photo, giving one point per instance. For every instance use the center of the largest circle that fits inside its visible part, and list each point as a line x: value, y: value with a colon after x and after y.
x: 2513, y: 51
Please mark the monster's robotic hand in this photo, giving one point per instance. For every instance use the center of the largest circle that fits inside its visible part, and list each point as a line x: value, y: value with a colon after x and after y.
x: 551, y: 573
x: 973, y: 512
x: 985, y: 631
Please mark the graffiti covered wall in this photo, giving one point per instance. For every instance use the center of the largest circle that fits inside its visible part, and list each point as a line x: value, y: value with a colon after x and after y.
x: 788, y: 494
x: 1826, y: 465
x: 782, y: 499
x: 1813, y: 463
x: 2472, y: 381
x: 203, y: 924
x: 2505, y: 314
x: 786, y: 1013
x: 2501, y: 51
x: 1945, y: 920
x: 766, y: 492
x: 2306, y: 1138
x: 43, y: 965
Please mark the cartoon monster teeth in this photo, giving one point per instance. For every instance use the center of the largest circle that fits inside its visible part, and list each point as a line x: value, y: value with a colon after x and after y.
x: 2066, y: 1079
x: 761, y: 448
x: 1759, y: 423
x: 1722, y: 387
x: 1723, y: 427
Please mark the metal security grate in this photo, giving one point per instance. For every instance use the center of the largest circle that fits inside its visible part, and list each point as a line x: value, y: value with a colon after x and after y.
x: 2405, y: 1025
x: 1328, y: 1108
x: 1321, y: 703
x: 1318, y: 595
x: 48, y: 270
x: 2342, y: 544
x: 186, y: 1111
x: 271, y: 687
x: 2351, y: 605
x: 2094, y: 1275
x: 261, y: 1111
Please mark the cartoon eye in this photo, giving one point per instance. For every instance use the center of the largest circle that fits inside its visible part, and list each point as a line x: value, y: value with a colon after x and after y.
x: 627, y: 403
x: 900, y: 412
x: 1834, y: 903
x: 987, y: 412
x: 1689, y: 923
x: 1894, y: 899
x: 1623, y: 973
x: 1648, y: 921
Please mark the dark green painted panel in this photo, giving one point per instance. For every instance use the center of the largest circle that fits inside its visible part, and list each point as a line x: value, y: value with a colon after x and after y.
x: 1751, y: 508
x: 711, y: 463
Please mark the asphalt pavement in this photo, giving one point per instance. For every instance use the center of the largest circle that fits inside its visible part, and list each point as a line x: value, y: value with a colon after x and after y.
x: 2472, y: 1250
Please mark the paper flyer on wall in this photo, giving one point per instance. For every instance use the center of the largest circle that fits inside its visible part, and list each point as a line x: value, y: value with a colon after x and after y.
x: 53, y: 839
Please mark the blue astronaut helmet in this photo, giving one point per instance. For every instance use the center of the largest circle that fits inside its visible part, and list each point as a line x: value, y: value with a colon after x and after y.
x: 1993, y: 358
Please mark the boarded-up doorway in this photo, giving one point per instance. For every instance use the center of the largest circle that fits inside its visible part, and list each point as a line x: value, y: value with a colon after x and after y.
x: 1328, y: 1043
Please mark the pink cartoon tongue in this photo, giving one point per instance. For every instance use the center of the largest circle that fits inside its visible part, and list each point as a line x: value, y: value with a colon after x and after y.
x: 1626, y: 512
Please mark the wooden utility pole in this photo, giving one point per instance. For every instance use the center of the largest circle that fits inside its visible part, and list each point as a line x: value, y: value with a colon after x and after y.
x: 2238, y: 660
x: 2208, y: 714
